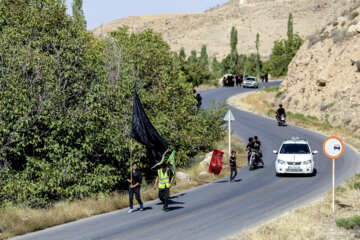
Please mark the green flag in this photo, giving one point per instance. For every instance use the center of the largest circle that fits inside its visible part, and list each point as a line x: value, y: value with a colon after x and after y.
x: 171, y: 160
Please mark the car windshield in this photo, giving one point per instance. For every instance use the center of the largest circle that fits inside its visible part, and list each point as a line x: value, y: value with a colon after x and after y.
x: 250, y: 79
x: 295, y: 149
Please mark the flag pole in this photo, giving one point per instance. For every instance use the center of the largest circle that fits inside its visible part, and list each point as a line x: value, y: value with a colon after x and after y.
x: 131, y: 160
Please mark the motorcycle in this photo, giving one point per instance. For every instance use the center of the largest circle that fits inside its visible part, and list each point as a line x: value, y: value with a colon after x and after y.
x: 253, y: 161
x: 281, y: 120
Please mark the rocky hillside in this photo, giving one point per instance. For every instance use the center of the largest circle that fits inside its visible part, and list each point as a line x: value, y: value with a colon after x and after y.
x: 267, y: 17
x: 323, y: 78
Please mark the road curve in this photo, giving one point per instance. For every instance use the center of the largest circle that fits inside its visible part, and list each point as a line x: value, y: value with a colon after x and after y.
x: 220, y: 209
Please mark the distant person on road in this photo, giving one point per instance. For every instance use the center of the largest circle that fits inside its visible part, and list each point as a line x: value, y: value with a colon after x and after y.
x: 257, y: 146
x: 266, y: 77
x: 163, y: 179
x: 238, y: 84
x: 262, y: 77
x: 280, y: 112
x: 199, y: 101
x: 233, y: 166
x: 224, y: 82
x: 134, y: 187
x: 249, y: 146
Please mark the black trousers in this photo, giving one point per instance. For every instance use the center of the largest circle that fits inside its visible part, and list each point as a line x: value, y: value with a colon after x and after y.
x: 135, y: 191
x: 164, y: 194
x: 233, y: 170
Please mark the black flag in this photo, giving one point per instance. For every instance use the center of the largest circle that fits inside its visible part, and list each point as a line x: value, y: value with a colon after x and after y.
x: 145, y: 133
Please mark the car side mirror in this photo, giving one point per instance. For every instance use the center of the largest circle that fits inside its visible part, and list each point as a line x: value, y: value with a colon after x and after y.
x: 315, y: 152
x: 275, y: 152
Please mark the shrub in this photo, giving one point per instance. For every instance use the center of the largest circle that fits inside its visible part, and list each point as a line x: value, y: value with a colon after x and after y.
x: 348, y: 223
x: 338, y: 35
x: 356, y: 185
x: 353, y: 15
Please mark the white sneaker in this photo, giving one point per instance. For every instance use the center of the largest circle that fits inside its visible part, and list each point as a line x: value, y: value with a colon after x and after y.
x: 131, y: 210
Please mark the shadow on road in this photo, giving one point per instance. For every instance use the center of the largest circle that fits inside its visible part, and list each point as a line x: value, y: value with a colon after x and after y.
x: 223, y: 181
x: 174, y: 208
x: 299, y: 175
x: 226, y: 181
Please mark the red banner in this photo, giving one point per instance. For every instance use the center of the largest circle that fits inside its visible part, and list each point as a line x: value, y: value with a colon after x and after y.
x: 216, y: 163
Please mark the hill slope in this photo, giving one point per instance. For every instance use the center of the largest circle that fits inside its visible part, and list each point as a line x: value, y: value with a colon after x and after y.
x: 269, y: 18
x: 323, y: 80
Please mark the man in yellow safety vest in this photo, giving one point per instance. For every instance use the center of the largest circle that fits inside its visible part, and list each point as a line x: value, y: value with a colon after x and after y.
x: 163, y: 178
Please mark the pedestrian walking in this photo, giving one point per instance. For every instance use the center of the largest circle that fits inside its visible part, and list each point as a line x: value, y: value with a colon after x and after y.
x: 233, y: 166
x: 163, y: 179
x: 262, y: 77
x: 134, y: 179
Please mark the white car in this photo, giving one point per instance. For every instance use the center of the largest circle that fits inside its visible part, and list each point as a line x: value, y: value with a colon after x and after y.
x: 251, y: 82
x: 294, y: 156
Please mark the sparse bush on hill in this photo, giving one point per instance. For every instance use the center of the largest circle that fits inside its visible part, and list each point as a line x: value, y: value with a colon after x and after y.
x: 283, y: 52
x: 348, y: 223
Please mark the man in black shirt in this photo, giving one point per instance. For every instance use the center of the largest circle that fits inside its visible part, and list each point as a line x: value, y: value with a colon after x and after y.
x: 280, y: 112
x: 233, y: 167
x: 257, y: 146
x: 249, y: 146
x: 134, y: 187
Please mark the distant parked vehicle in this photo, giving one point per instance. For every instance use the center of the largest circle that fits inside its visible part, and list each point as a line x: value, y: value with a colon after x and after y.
x: 251, y: 82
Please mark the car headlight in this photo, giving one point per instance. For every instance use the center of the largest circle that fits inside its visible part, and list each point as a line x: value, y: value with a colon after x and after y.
x: 280, y: 161
x: 307, y: 162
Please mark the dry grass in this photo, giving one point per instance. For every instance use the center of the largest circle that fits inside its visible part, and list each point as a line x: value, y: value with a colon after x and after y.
x: 19, y: 220
x: 316, y: 220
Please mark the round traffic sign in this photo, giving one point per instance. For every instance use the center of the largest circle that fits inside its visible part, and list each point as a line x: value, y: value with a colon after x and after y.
x: 333, y: 147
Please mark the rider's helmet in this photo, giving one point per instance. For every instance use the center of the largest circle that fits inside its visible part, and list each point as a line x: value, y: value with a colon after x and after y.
x: 280, y: 105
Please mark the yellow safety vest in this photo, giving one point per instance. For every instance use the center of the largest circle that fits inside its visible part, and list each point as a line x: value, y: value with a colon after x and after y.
x: 164, y: 180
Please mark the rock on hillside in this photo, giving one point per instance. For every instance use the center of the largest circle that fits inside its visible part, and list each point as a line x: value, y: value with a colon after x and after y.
x: 323, y: 78
x: 267, y: 17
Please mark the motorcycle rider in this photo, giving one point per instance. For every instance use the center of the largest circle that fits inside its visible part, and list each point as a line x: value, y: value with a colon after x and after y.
x: 279, y: 112
x: 257, y: 146
x: 249, y: 146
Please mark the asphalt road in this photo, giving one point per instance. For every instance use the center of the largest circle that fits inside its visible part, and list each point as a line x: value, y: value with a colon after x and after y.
x: 221, y: 209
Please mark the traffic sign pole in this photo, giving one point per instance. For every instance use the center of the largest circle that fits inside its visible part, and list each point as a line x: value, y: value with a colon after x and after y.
x: 333, y: 185
x: 229, y: 135
x: 333, y: 148
x: 229, y: 117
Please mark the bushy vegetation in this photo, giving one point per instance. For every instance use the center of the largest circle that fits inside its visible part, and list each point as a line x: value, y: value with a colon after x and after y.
x: 66, y: 100
x: 348, y: 223
x: 283, y: 52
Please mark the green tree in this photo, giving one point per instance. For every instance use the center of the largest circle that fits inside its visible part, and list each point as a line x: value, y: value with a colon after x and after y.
x: 66, y: 100
x: 77, y: 12
x: 182, y: 53
x: 193, y: 58
x: 233, y: 40
x: 51, y: 72
x: 282, y: 54
x: 257, y: 61
x: 233, y: 53
x: 290, y: 29
x: 216, y: 68
x: 204, y: 58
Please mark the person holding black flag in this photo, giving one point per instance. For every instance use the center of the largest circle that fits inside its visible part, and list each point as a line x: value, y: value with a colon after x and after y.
x: 165, y: 184
x: 134, y: 179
